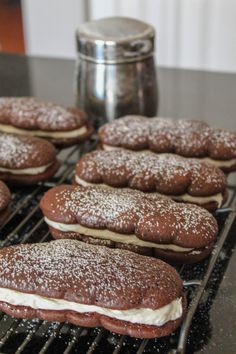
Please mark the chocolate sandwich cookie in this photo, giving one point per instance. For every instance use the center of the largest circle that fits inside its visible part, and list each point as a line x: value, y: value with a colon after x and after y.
x: 5, y: 199
x: 182, y: 179
x: 189, y: 138
x: 87, y: 285
x: 30, y: 116
x: 25, y: 159
x: 149, y: 224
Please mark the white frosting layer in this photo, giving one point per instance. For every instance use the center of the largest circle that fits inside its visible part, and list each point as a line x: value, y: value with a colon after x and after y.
x: 50, y: 134
x: 217, y: 163
x: 182, y: 198
x: 147, y: 316
x: 199, y: 200
x: 25, y: 171
x: 113, y: 236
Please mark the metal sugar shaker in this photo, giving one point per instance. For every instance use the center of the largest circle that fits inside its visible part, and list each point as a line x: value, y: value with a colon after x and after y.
x: 116, y: 72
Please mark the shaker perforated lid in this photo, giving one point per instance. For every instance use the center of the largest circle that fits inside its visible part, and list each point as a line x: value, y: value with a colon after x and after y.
x: 115, y: 40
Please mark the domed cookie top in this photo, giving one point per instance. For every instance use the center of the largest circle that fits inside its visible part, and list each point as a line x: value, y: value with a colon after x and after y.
x: 25, y: 159
x: 30, y: 116
x: 5, y: 199
x: 181, y: 178
x: 130, y: 219
x: 5, y: 196
x: 87, y: 284
x: 189, y: 138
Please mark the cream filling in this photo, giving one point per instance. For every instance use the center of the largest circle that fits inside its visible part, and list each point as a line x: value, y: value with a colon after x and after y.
x: 217, y: 163
x: 26, y: 171
x: 50, y: 134
x: 159, y: 317
x: 113, y: 236
x: 218, y: 198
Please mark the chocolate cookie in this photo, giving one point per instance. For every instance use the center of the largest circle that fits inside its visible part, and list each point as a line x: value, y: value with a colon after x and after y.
x: 189, y: 138
x: 124, y: 218
x: 26, y: 160
x: 67, y: 280
x: 182, y: 179
x: 5, y: 199
x: 30, y: 116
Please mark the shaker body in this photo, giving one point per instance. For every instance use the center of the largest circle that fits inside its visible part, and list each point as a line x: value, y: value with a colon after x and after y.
x: 109, y: 91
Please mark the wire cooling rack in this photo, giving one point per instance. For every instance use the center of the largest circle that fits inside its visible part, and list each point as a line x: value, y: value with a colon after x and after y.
x: 25, y: 225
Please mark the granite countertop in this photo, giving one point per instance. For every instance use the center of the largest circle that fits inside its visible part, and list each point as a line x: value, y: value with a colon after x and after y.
x: 183, y: 93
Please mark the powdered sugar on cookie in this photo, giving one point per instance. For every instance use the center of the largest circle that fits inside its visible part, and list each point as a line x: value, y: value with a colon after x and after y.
x: 150, y: 217
x: 88, y: 274
x: 31, y: 113
x: 189, y: 138
x: 146, y: 171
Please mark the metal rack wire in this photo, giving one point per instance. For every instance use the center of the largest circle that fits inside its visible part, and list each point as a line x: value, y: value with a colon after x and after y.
x: 25, y: 224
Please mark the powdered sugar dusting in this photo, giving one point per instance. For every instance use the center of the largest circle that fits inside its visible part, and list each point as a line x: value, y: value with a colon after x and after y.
x: 149, y: 217
x: 146, y: 171
x: 14, y: 150
x: 31, y: 113
x: 89, y: 274
x: 190, y: 138
x: 19, y: 152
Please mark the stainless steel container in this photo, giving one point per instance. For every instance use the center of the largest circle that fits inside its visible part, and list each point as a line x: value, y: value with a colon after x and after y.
x: 116, y: 70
